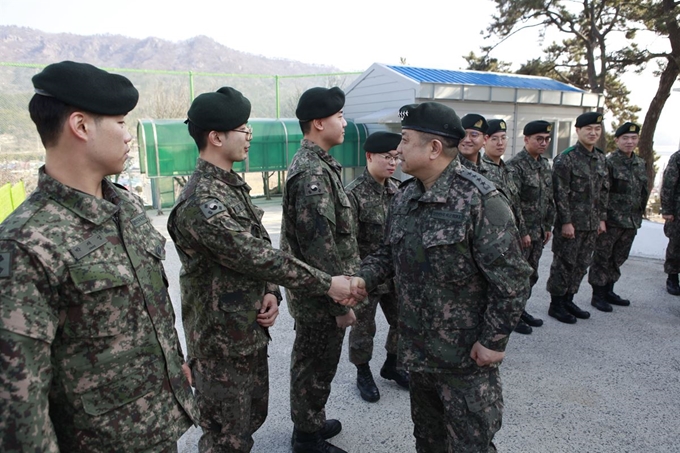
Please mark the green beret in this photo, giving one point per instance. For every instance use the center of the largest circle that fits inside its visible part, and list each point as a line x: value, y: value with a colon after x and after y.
x: 588, y: 118
x: 475, y: 122
x: 382, y: 142
x: 537, y: 127
x: 87, y: 87
x: 433, y: 118
x: 319, y: 102
x: 496, y: 126
x: 223, y: 110
x: 627, y: 128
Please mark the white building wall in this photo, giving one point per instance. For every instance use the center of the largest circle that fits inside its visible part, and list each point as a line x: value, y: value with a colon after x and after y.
x: 377, y: 89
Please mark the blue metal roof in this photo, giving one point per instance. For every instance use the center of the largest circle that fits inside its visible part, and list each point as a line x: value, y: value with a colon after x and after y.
x: 494, y: 79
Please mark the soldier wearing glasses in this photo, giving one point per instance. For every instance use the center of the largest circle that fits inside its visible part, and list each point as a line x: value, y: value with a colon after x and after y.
x: 470, y: 146
x: 530, y: 171
x: 370, y: 195
x: 230, y: 276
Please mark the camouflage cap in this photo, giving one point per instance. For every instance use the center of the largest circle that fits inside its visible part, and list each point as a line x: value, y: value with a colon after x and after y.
x: 537, y: 127
x: 627, y: 128
x: 587, y: 118
x: 433, y: 118
x: 496, y: 126
x: 319, y: 102
x: 223, y: 110
x: 382, y: 142
x: 475, y: 122
x: 87, y: 87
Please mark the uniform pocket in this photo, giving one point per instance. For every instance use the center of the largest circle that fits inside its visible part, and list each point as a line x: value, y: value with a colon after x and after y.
x: 448, y: 253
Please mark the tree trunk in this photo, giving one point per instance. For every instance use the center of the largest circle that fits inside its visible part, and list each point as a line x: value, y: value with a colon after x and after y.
x: 646, y: 144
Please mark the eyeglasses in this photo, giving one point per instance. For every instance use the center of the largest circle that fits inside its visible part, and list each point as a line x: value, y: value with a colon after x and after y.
x: 248, y: 131
x: 540, y: 140
x: 391, y: 159
x: 473, y: 134
x: 496, y: 138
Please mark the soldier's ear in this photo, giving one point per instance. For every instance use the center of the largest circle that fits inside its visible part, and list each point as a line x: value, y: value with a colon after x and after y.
x: 436, y: 149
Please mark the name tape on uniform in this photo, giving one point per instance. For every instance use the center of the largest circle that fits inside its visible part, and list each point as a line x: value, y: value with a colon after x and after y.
x: 88, y: 246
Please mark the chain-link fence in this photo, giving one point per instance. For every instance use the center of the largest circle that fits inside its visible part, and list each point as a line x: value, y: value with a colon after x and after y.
x: 162, y: 95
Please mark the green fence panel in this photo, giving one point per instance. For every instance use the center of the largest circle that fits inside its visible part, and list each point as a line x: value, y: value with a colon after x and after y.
x: 18, y: 193
x: 5, y: 201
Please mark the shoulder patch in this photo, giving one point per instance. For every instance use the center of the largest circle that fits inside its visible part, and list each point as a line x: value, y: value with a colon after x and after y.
x: 484, y: 185
x: 5, y: 264
x: 211, y: 207
x: 314, y: 188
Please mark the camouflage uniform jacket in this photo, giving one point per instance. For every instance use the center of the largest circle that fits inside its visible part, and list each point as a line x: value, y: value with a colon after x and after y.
x: 227, y: 259
x: 480, y: 167
x: 533, y: 179
x: 498, y: 174
x: 318, y: 226
x: 581, y: 187
x: 458, y: 269
x: 628, y: 191
x: 370, y: 201
x: 670, y: 187
x: 91, y: 358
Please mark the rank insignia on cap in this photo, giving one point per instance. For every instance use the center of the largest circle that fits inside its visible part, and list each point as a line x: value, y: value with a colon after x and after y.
x: 479, y: 123
x: 503, y: 125
x: 5, y: 264
x: 403, y: 114
x: 548, y: 128
x: 212, y: 207
x: 314, y: 188
x: 633, y: 128
x: 599, y: 119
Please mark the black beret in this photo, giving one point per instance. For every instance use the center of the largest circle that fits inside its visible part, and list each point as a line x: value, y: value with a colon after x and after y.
x: 382, y: 142
x: 433, y: 118
x: 627, y: 128
x: 319, y: 102
x: 475, y: 121
x: 587, y: 118
x: 537, y: 127
x: 496, y: 126
x: 221, y: 111
x: 87, y: 87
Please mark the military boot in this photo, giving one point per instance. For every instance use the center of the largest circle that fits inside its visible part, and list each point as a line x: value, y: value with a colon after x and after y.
x: 530, y: 320
x: 599, y: 299
x: 672, y: 285
x: 557, y: 310
x: 523, y: 328
x: 390, y: 372
x: 331, y: 428
x: 313, y: 443
x: 572, y: 308
x: 366, y: 385
x: 614, y: 298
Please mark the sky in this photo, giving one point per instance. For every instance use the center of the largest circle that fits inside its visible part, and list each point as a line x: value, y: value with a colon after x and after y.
x: 350, y: 35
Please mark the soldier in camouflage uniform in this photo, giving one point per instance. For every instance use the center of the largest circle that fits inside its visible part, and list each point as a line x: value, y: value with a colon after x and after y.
x: 532, y: 176
x: 318, y: 228
x: 580, y: 185
x: 469, y: 148
x: 628, y: 195
x: 453, y: 249
x: 90, y: 357
x: 496, y: 142
x: 230, y: 276
x: 370, y: 195
x: 670, y: 209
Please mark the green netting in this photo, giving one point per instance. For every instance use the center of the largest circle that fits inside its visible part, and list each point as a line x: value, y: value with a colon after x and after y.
x: 166, y: 145
x: 18, y: 194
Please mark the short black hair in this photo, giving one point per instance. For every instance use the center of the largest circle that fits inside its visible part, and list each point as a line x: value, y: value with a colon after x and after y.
x: 448, y: 142
x: 305, y: 127
x: 199, y: 135
x: 49, y: 115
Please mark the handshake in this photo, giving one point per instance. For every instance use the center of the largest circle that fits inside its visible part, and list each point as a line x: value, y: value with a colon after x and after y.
x: 347, y: 290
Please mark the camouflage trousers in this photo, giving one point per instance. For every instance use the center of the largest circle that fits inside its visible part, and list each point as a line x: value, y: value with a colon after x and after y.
x: 571, y: 259
x: 363, y: 331
x: 466, y: 410
x: 232, y: 395
x: 314, y: 361
x: 533, y: 255
x: 672, y: 232
x: 611, y: 251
